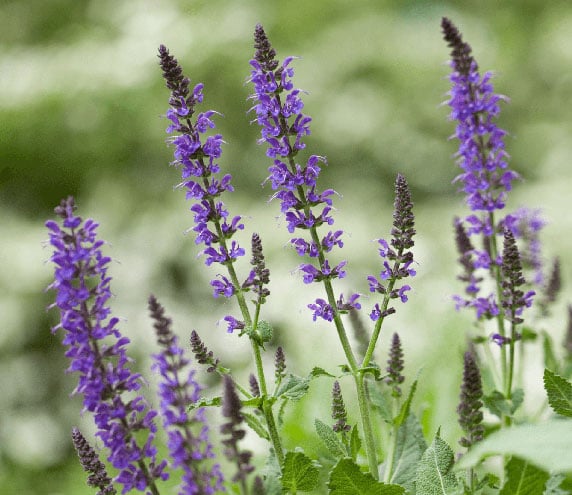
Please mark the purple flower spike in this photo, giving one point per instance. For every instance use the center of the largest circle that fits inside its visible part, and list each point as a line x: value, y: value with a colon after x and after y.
x: 486, y: 177
x: 196, y: 156
x: 178, y: 390
x: 97, y: 351
x: 278, y: 107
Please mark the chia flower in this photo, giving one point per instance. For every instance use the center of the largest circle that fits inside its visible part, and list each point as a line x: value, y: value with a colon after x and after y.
x: 278, y: 111
x: 396, y: 251
x: 486, y: 177
x: 339, y: 413
x: 231, y: 407
x: 90, y: 462
x: 178, y: 390
x: 97, y: 351
x: 514, y: 300
x: 197, y: 158
x: 202, y: 354
x: 395, y: 366
x: 469, y: 409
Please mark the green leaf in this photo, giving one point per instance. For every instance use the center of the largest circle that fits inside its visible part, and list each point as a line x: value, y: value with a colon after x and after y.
x: 550, y: 360
x: 317, y: 371
x: 547, y: 445
x: 347, y: 479
x: 500, y: 406
x: 254, y: 423
x: 434, y: 474
x: 299, y: 473
x: 265, y: 331
x: 271, y: 475
x: 553, y: 485
x: 355, y: 442
x: 380, y: 401
x: 405, y: 408
x: 293, y: 387
x: 559, y: 392
x: 204, y: 402
x: 329, y: 437
x: 375, y: 370
x: 410, y: 446
x: 522, y: 478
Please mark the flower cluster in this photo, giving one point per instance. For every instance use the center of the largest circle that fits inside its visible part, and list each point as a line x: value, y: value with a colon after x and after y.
x: 283, y: 126
x: 97, y: 350
x: 178, y: 391
x: 339, y: 413
x: 469, y: 409
x: 197, y: 157
x: 396, y: 251
x: 395, y: 366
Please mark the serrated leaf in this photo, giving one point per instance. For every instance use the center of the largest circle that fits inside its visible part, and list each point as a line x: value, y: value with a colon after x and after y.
x: 254, y: 423
x: 265, y: 331
x: 271, y: 475
x: 299, y: 473
x: 523, y: 478
x: 317, y: 371
x: 330, y: 439
x: 405, y: 408
x: 410, y: 446
x: 204, y: 402
x: 293, y: 387
x: 347, y: 479
x: 375, y: 370
x: 434, y: 473
x: 546, y: 445
x: 355, y: 442
x: 559, y: 391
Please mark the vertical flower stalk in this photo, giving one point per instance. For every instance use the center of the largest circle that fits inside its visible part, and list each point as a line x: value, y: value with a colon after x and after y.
x: 197, y: 157
x: 339, y: 413
x: 306, y: 208
x: 97, y: 351
x: 469, y: 409
x: 178, y: 392
x: 91, y: 464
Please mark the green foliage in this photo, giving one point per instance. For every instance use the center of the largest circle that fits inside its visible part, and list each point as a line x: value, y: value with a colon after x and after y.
x: 355, y: 442
x: 434, y: 474
x: 406, y: 407
x: 299, y: 473
x: 347, y: 479
x: 256, y: 425
x: 500, y: 406
x: 293, y: 387
x: 559, y: 391
x: 330, y: 439
x: 547, y: 445
x: 522, y: 478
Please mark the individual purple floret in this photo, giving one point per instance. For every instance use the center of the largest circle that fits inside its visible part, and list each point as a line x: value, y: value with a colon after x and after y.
x: 278, y: 108
x: 486, y: 177
x: 97, y: 351
x: 178, y: 391
x: 196, y: 156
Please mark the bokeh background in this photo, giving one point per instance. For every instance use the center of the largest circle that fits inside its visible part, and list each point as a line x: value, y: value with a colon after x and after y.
x: 81, y: 105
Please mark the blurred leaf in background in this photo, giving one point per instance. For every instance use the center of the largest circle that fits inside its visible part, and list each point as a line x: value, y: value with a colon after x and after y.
x: 81, y: 105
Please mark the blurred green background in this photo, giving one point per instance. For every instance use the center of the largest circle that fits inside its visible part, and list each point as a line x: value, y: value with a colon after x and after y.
x: 81, y: 103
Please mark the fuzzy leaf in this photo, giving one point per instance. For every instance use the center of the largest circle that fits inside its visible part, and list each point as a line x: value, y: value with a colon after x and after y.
x: 500, y: 406
x: 347, y: 479
x: 546, y: 445
x: 410, y: 447
x: 559, y: 392
x: 317, y: 371
x: 553, y: 485
x: 380, y: 401
x: 271, y: 475
x: 434, y: 475
x: 355, y: 442
x: 293, y: 387
x: 329, y: 437
x: 254, y: 423
x: 522, y: 478
x: 299, y: 473
x: 265, y: 331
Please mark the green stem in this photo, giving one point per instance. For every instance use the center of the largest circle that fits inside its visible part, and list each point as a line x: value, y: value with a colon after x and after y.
x: 393, y: 443
x: 366, y: 425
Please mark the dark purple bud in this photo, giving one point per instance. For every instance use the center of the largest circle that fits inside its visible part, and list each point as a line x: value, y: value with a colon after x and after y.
x: 395, y: 366
x: 202, y: 354
x: 469, y: 409
x: 339, y: 413
x: 279, y: 364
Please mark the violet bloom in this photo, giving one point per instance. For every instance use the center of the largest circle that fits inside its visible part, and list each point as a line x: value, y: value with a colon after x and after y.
x: 197, y: 156
x: 278, y: 108
x: 178, y: 391
x: 486, y: 177
x: 97, y: 351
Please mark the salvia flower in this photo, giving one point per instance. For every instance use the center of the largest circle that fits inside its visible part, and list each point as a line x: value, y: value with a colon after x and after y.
x: 202, y: 354
x: 231, y: 407
x: 469, y: 409
x: 514, y: 300
x: 178, y: 391
x: 398, y: 259
x: 339, y: 413
x: 395, y: 366
x: 197, y: 156
x: 97, y: 351
x: 486, y: 177
x: 279, y: 364
x: 259, y: 276
x: 278, y: 109
x: 91, y: 464
x: 466, y: 259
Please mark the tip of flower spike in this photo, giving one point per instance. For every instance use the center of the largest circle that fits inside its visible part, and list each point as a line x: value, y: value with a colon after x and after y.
x: 461, y: 56
x: 265, y: 55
